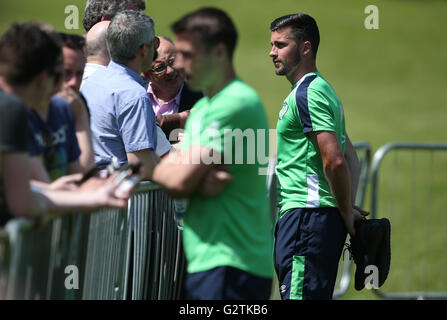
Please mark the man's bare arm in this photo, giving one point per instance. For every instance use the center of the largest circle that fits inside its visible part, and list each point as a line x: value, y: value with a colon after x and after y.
x: 352, y: 162
x: 16, y: 173
x: 182, y: 173
x: 83, y: 132
x: 37, y: 170
x: 337, y: 174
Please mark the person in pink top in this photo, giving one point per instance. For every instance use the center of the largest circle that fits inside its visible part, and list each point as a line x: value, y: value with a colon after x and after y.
x: 170, y: 96
x: 162, y: 107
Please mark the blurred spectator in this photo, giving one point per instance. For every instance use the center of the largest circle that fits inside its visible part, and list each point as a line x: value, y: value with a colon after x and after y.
x: 53, y: 144
x: 96, y: 49
x: 100, y: 10
x: 73, y: 48
x: 34, y: 74
x: 171, y: 98
x: 122, y: 119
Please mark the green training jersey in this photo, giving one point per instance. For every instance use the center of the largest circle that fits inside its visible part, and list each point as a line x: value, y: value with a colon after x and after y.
x: 311, y: 106
x: 233, y: 228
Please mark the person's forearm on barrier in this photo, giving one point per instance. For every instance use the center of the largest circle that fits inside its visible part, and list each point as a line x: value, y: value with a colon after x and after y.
x: 27, y: 201
x: 87, y: 199
x: 148, y: 159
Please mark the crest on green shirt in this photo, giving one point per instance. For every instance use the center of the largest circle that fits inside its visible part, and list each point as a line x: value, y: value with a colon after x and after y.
x: 285, y: 108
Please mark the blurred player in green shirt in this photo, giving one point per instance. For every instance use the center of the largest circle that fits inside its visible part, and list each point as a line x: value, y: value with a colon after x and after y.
x: 227, y: 238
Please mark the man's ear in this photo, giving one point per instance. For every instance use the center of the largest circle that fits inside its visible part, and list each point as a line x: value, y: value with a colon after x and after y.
x: 142, y: 51
x: 147, y: 75
x: 306, y: 48
x: 221, y: 50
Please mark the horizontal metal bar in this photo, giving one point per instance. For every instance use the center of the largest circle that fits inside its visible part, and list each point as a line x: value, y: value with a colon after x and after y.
x: 382, y: 151
x: 145, y: 186
x: 361, y: 144
x: 412, y: 295
x: 379, y: 156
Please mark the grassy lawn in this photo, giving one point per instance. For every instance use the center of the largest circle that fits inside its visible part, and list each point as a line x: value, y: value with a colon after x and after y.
x: 392, y: 82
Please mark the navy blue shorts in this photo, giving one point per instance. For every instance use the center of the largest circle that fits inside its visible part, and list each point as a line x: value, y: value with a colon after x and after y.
x: 308, y: 245
x: 226, y: 283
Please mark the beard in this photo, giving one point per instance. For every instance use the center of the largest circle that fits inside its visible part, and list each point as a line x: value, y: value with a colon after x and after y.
x: 281, y: 71
x: 287, y: 66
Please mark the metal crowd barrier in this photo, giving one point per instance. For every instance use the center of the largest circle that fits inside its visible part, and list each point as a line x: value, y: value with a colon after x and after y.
x: 107, y: 256
x: 135, y: 254
x: 33, y: 261
x: 118, y: 254
x: 409, y: 187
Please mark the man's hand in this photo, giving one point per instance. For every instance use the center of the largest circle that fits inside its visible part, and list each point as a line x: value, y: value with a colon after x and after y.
x: 169, y: 123
x: 183, y: 117
x: 67, y: 93
x: 66, y: 182
x: 215, y: 181
x: 183, y: 172
x: 104, y: 191
x: 180, y: 136
x: 357, y: 213
x: 76, y: 104
x: 93, y: 183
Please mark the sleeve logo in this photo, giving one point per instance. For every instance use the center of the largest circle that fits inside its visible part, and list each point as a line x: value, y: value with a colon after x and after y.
x: 283, y: 111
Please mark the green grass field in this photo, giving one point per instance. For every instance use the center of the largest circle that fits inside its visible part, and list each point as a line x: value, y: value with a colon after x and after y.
x: 392, y: 82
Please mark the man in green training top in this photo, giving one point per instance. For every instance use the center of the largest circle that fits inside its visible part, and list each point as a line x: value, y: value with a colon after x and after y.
x: 317, y: 167
x: 227, y: 238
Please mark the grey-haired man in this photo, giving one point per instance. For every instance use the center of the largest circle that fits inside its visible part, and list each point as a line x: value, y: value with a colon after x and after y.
x: 122, y: 120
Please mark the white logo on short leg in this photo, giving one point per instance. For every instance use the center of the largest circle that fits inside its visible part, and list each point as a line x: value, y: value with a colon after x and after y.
x: 283, y: 288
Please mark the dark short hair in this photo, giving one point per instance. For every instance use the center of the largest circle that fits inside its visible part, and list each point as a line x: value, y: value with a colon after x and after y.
x: 303, y: 28
x: 28, y: 49
x: 212, y: 25
x: 72, y: 41
x: 96, y: 9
